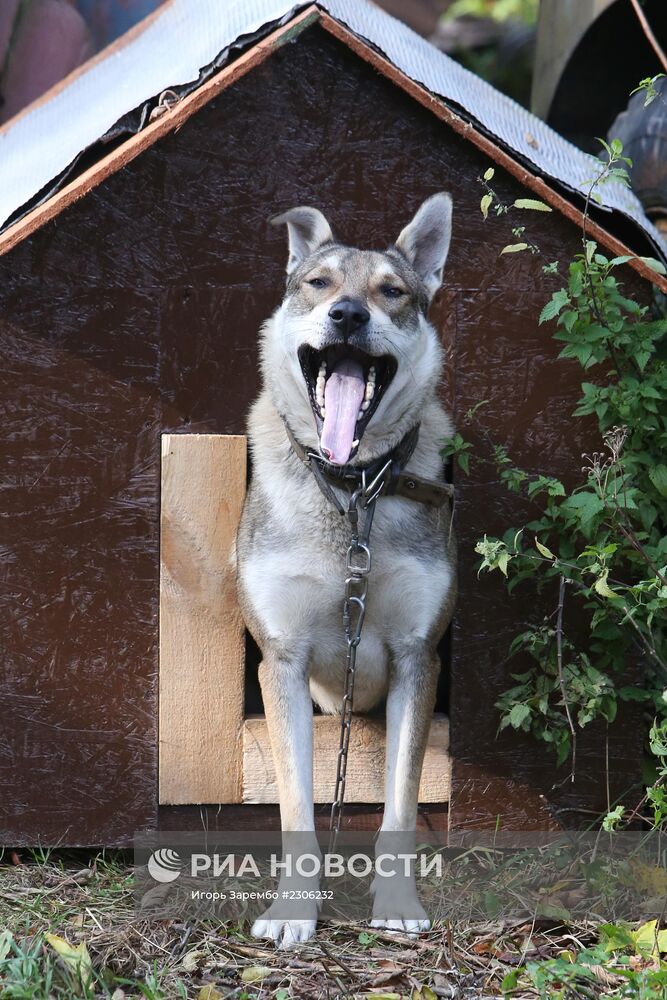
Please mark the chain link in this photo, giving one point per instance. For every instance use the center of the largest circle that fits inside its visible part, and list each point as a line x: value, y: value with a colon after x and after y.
x: 358, y: 566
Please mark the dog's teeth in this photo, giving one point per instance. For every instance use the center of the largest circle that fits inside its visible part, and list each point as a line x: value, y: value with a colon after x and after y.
x: 319, y: 389
x: 323, y: 371
x: 364, y: 406
x: 322, y: 412
x: 355, y: 444
x: 370, y: 391
x: 371, y: 374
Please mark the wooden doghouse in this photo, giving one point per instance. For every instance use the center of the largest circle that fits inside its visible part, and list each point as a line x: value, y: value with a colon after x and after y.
x: 135, y: 274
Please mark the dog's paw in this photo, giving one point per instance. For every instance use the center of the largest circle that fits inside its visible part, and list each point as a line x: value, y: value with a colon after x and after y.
x: 285, y: 933
x: 396, y: 907
x: 403, y: 925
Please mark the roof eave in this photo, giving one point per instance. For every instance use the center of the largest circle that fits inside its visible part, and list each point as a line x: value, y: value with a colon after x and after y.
x: 175, y: 117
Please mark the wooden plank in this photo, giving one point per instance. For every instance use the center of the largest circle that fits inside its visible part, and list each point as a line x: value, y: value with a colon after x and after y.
x: 365, y: 771
x: 431, y: 818
x: 202, y: 637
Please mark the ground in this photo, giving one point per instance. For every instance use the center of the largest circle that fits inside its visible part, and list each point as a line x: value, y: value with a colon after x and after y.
x: 68, y: 929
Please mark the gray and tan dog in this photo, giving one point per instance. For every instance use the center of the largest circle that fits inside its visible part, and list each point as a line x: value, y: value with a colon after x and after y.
x: 351, y: 365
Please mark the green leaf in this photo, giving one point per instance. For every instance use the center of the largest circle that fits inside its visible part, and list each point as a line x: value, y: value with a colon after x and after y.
x: 514, y: 248
x: 615, y: 937
x: 488, y: 174
x: 554, y: 305
x: 547, y: 553
x: 647, y: 941
x: 615, y: 261
x: 485, y: 204
x: 553, y: 911
x: 510, y: 982
x: 655, y: 265
x: 658, y: 476
x: 6, y: 938
x: 463, y: 460
x: 518, y: 715
x: 536, y: 206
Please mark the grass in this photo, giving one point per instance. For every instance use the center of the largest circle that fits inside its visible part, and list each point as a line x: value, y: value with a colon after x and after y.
x: 68, y: 929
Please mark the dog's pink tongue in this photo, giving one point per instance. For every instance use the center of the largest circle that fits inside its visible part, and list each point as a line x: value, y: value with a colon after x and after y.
x: 343, y: 396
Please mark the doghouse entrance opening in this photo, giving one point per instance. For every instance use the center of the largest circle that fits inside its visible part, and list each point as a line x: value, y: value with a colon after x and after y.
x: 253, y: 692
x: 214, y: 743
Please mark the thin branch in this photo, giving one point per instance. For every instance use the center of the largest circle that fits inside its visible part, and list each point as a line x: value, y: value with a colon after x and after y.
x: 630, y: 536
x: 648, y: 31
x: 561, y: 680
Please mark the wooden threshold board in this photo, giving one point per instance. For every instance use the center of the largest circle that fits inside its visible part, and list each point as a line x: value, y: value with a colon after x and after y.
x: 365, y: 769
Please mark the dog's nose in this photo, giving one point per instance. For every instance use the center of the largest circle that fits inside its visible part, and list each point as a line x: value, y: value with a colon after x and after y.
x: 348, y: 315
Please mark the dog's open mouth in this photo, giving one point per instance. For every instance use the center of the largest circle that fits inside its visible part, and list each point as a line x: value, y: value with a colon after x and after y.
x: 345, y: 386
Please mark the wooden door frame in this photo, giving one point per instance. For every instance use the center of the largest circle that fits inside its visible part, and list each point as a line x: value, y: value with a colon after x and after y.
x: 210, y: 751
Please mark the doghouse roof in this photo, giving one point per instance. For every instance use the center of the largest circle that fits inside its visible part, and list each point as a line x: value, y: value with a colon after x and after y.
x: 170, y: 65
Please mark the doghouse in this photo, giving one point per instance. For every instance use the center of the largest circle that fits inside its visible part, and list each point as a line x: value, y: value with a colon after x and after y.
x: 137, y: 266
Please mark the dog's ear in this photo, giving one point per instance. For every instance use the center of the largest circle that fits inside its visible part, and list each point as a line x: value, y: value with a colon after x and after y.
x: 425, y: 240
x: 307, y: 230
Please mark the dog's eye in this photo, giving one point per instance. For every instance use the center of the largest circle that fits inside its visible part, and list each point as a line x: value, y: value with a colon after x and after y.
x: 318, y: 282
x: 392, y: 291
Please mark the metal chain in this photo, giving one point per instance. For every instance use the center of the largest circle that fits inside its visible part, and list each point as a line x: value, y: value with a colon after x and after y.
x: 358, y: 565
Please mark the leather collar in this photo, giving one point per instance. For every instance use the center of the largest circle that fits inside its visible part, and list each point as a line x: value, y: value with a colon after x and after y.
x: 386, y: 471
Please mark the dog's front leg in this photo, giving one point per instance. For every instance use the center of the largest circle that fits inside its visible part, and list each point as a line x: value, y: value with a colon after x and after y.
x: 410, y: 701
x: 289, y: 715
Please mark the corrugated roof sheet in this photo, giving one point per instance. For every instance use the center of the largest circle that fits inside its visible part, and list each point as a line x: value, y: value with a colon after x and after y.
x: 186, y: 36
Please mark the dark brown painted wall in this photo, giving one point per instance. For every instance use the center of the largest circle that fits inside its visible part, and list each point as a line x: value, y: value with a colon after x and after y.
x: 136, y: 312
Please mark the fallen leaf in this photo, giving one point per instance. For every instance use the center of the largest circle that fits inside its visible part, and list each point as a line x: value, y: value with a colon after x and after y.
x: 648, y: 878
x: 385, y: 979
x: 381, y: 996
x: 192, y: 960
x: 255, y: 973
x: 425, y: 993
x: 605, y: 977
x: 482, y: 947
x: 388, y: 965
x: 209, y: 992
x: 77, y: 958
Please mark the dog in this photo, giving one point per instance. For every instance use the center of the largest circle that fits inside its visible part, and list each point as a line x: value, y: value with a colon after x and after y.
x: 350, y: 367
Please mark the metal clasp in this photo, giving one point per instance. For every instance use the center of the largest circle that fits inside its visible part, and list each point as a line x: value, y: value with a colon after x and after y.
x: 359, y: 569
x: 372, y: 490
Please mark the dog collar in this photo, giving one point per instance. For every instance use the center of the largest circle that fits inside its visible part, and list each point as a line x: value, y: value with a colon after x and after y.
x: 383, y: 474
